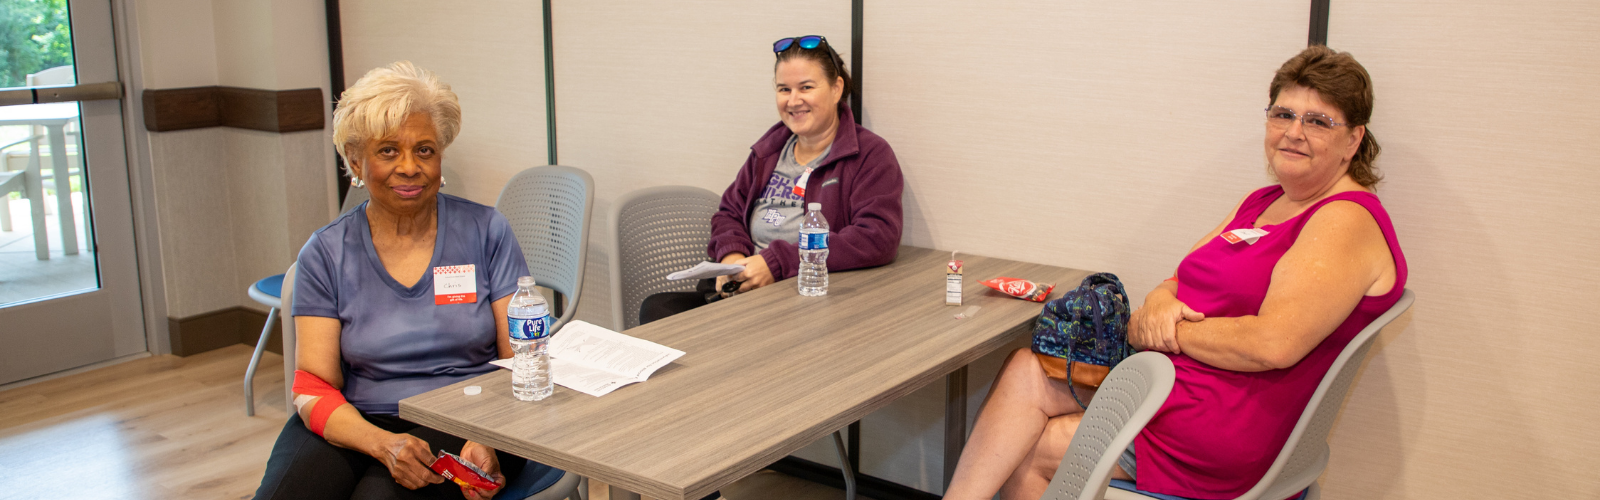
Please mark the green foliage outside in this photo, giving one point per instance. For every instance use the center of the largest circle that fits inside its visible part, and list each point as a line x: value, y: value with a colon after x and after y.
x: 34, y: 35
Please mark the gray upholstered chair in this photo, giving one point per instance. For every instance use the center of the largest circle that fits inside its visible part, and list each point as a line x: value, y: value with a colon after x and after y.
x: 657, y: 231
x: 1299, y: 464
x: 549, y: 208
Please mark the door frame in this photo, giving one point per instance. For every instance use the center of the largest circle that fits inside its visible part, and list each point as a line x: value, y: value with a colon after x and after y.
x: 141, y: 180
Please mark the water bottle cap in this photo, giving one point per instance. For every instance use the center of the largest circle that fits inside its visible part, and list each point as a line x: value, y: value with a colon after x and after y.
x: 525, y: 281
x: 813, y: 206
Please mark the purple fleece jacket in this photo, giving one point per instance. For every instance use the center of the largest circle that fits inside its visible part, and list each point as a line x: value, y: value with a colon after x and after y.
x: 858, y: 185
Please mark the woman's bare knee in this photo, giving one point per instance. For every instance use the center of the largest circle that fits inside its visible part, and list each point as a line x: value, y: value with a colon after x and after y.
x: 1053, y: 443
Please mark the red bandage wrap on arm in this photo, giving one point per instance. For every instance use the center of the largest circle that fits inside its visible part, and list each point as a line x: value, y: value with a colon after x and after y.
x: 308, y: 384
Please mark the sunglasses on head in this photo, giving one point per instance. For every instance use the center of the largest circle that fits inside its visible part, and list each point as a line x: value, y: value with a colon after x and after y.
x: 807, y: 42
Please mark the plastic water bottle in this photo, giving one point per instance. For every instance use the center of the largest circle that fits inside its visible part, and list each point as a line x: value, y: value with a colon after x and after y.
x: 813, y: 252
x: 529, y: 318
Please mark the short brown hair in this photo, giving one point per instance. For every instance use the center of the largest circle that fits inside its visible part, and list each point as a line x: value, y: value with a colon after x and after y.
x: 1342, y: 82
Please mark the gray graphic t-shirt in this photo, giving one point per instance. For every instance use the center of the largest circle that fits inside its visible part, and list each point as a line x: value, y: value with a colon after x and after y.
x: 778, y: 211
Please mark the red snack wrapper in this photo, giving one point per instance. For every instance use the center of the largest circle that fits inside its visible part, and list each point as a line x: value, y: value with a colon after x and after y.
x: 464, y: 473
x: 1022, y: 289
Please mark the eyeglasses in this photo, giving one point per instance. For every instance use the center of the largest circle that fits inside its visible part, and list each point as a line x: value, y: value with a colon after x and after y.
x: 1311, y: 122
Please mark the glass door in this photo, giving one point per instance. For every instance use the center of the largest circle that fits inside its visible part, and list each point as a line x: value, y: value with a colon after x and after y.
x: 69, y: 291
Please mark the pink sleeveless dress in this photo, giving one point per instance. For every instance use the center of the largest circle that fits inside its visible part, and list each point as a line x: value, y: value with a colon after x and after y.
x: 1220, y: 430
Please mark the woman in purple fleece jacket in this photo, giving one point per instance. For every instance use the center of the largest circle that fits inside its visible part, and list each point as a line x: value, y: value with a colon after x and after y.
x: 848, y: 169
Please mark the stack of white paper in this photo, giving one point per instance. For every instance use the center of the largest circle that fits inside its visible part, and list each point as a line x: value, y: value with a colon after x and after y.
x: 595, y: 360
x: 705, y: 270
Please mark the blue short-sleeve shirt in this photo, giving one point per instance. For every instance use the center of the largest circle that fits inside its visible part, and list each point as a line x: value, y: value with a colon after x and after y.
x: 394, y: 342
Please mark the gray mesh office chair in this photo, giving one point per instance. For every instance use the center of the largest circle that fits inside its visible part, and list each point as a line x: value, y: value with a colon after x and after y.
x: 1127, y: 399
x: 549, y: 209
x: 1304, y: 455
x: 657, y: 231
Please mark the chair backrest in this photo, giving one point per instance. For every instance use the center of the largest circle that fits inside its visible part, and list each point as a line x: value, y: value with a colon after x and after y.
x: 353, y: 199
x: 286, y: 320
x: 1305, y: 454
x: 1125, y: 402
x: 549, y: 209
x: 657, y: 231
x: 59, y: 75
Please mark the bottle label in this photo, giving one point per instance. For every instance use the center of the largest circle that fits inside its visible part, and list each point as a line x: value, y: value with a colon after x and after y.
x: 813, y: 241
x: 530, y: 328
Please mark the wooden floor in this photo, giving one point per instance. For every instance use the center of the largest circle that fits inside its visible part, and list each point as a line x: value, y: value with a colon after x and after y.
x: 167, y: 427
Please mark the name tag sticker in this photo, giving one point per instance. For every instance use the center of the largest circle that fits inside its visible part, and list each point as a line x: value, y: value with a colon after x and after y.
x: 800, y: 184
x: 455, y: 285
x: 1247, y: 235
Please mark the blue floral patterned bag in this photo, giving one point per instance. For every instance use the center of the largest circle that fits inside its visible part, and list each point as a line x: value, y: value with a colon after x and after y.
x: 1082, y: 335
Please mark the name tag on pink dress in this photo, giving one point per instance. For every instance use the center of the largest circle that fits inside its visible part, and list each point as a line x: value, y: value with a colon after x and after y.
x: 1247, y: 235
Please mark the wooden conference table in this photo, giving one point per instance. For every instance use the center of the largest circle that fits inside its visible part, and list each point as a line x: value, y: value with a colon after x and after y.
x: 766, y: 373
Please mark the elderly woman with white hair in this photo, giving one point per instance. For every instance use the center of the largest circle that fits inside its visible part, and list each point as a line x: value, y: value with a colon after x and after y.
x: 375, y: 319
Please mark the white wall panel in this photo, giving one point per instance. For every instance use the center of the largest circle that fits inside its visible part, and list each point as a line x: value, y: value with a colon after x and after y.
x: 178, y: 43
x: 1101, y: 136
x: 195, y: 213
x: 234, y: 205
x: 491, y: 54
x: 1482, y: 110
x: 652, y: 93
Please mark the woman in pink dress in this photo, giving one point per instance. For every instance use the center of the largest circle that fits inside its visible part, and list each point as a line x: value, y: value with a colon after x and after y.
x: 1252, y: 320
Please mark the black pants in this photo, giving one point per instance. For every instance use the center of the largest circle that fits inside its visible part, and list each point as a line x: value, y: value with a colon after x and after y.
x: 305, y: 466
x: 666, y: 304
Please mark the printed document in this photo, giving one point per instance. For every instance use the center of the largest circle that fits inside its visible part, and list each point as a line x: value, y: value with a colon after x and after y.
x: 593, y: 360
x: 705, y: 270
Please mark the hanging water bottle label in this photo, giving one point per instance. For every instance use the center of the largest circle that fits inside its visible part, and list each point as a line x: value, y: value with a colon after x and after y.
x: 530, y: 328
x: 813, y: 241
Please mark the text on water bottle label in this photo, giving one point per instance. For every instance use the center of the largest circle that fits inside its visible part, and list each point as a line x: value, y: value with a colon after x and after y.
x: 814, y: 241
x: 530, y: 328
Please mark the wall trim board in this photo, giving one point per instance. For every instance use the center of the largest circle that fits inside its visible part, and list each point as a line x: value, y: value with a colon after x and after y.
x: 857, y: 31
x: 550, y: 82
x: 166, y: 110
x: 336, y: 85
x: 1318, y: 34
x: 217, y: 329
x: 867, y: 486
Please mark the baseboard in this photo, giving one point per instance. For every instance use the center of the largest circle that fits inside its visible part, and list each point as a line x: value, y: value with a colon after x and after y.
x: 868, y: 486
x: 217, y: 329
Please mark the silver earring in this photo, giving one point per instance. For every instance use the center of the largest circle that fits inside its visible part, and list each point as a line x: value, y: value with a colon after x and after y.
x: 442, y: 183
x: 357, y: 182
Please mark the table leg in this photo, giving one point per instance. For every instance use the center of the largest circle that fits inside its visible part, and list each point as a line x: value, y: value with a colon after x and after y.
x: 955, y: 420
x: 64, y: 212
x: 618, y: 493
x: 41, y: 235
x: 5, y: 208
